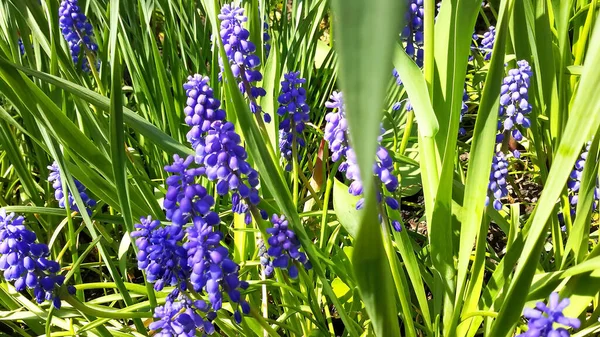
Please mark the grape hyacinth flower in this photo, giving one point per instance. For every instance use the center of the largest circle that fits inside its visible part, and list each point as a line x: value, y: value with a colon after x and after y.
x: 294, y: 110
x: 336, y: 129
x: 514, y: 104
x: 265, y: 259
x: 161, y: 254
x: 179, y: 317
x: 487, y: 43
x: 183, y: 195
x: 77, y: 31
x: 574, y: 182
x: 266, y: 38
x: 382, y: 168
x: 412, y: 33
x: 26, y: 262
x: 463, y: 110
x: 498, y: 186
x: 284, y: 247
x: 211, y: 268
x: 225, y: 161
x: 240, y: 54
x: 543, y: 317
x: 202, y: 108
x: 21, y: 46
x: 59, y: 193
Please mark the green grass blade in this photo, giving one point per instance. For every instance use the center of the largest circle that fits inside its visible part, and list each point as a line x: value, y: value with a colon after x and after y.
x: 365, y: 37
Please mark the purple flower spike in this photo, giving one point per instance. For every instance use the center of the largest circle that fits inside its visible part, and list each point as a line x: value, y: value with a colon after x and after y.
x: 487, y: 43
x: 294, y: 110
x: 543, y: 317
x: 202, y: 108
x: 514, y: 101
x: 180, y: 317
x: 26, y: 263
x: 240, y: 55
x: 77, y: 31
x: 284, y: 248
x: 59, y: 193
x: 498, y: 185
x: 161, y: 254
x: 412, y: 34
x: 336, y: 128
x: 574, y: 182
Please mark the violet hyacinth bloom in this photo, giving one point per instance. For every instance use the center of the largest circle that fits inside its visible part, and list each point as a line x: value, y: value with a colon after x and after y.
x: 294, y: 110
x: 266, y: 38
x: 180, y: 317
x: 412, y: 33
x: 498, y: 185
x: 240, y: 54
x: 202, y: 108
x: 184, y: 196
x: 212, y: 270
x: 463, y: 110
x: 77, y: 31
x: 284, y: 247
x: 161, y: 254
x: 487, y: 43
x: 382, y: 169
x: 265, y: 259
x: 26, y: 263
x: 574, y: 182
x: 59, y: 193
x: 514, y: 102
x: 201, y: 260
x: 218, y: 148
x: 336, y: 129
x: 543, y: 317
x: 225, y: 161
x: 21, y: 46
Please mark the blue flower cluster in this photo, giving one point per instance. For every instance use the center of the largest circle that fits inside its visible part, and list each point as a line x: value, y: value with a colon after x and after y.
x: 200, y: 261
x: 382, y: 168
x: 336, y: 128
x: 266, y: 38
x: 179, y: 317
x: 202, y: 108
x: 218, y: 148
x: 412, y: 33
x: 240, y: 54
x: 211, y: 268
x: 574, y: 182
x: 26, y: 262
x: 487, y: 43
x: 463, y: 110
x: 160, y: 254
x: 183, y: 195
x: 265, y: 259
x: 225, y: 162
x: 498, y: 185
x: 514, y: 102
x: 543, y: 317
x: 77, y: 31
x: 294, y: 111
x: 59, y: 193
x: 284, y: 248
x: 21, y: 46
